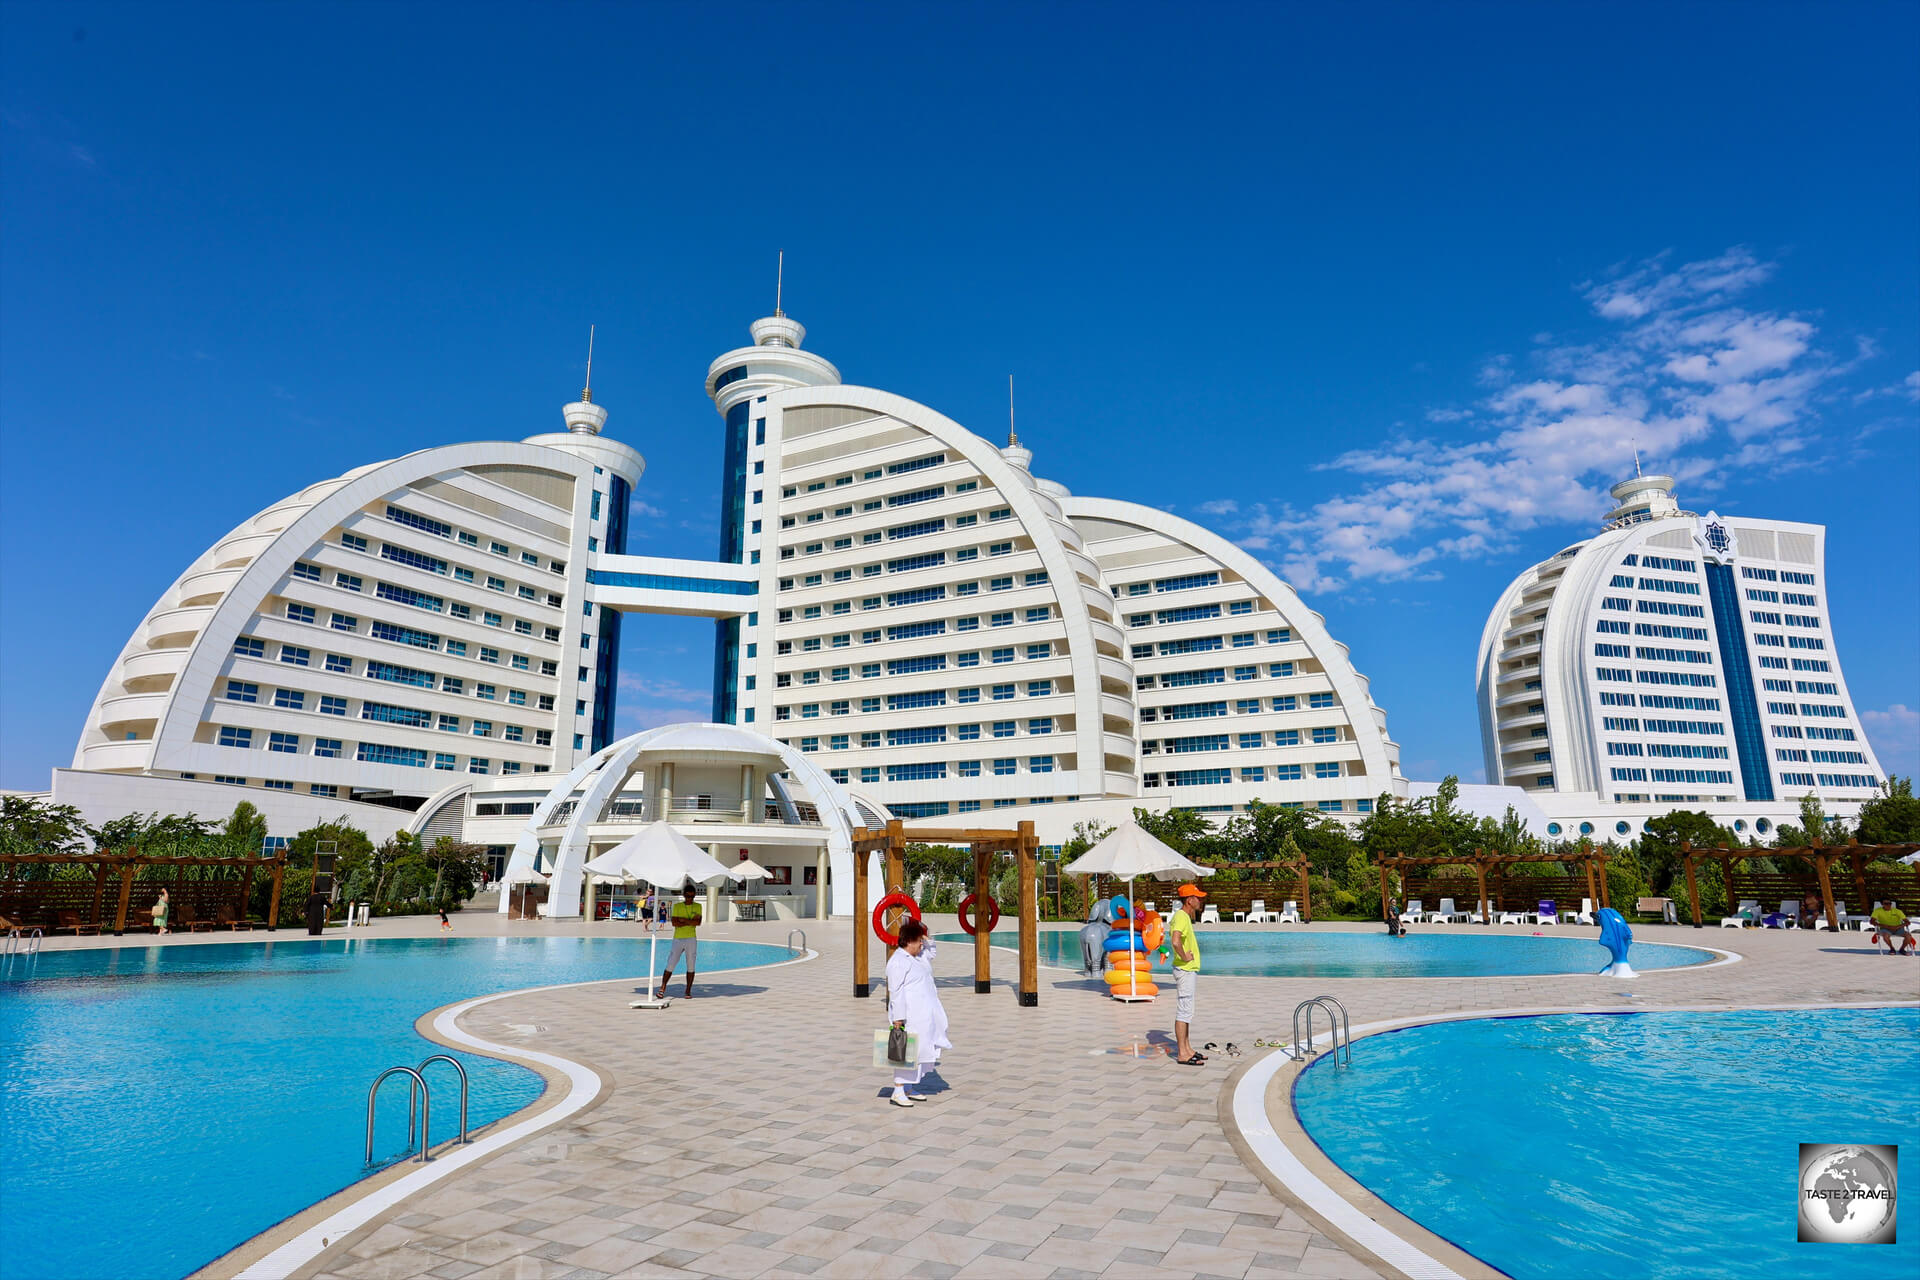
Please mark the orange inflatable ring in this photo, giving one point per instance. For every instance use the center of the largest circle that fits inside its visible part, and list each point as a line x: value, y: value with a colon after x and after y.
x: 969, y: 918
x: 1124, y: 960
x: 880, y: 909
x: 1154, y: 933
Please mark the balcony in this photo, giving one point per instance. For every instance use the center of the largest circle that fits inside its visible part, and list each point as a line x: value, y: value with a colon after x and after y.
x: 185, y: 621
x: 241, y: 549
x: 153, y: 665
x: 1525, y: 720
x: 208, y: 583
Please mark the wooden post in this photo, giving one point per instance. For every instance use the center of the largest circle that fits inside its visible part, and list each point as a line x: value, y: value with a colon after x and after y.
x: 126, y: 892
x: 1586, y: 861
x: 1386, y: 906
x: 1693, y: 889
x: 99, y: 892
x: 1480, y: 870
x: 1726, y: 879
x: 246, y: 891
x: 1820, y: 860
x: 1859, y: 878
x: 1029, y: 919
x: 982, y: 948
x: 862, y: 988
x: 1606, y: 891
x: 1306, y: 891
x: 273, y: 900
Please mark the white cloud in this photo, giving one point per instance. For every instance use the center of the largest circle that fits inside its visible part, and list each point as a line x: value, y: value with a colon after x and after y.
x: 1912, y: 385
x: 1698, y: 383
x: 1896, y: 738
x: 1220, y: 507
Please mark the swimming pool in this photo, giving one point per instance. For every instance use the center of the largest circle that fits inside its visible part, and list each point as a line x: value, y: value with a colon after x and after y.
x: 1322, y: 954
x: 1643, y: 1144
x: 161, y: 1105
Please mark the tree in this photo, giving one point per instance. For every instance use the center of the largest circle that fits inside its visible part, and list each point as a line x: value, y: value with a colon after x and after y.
x: 246, y: 831
x: 457, y: 867
x: 1175, y: 828
x: 1893, y: 816
x: 1659, y: 856
x: 29, y: 824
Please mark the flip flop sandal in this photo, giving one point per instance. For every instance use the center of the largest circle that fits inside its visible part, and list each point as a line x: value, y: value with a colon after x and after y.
x: 1195, y: 1061
x: 1233, y: 1050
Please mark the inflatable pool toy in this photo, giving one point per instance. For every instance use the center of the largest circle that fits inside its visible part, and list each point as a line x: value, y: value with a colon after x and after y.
x: 1129, y: 951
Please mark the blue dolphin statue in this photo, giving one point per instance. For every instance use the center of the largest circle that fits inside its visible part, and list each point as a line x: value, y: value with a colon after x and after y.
x: 1616, y: 937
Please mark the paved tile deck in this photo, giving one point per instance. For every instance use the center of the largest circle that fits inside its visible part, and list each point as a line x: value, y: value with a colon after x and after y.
x: 744, y: 1133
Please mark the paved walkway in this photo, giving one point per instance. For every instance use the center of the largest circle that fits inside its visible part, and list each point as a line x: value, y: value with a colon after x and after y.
x: 744, y: 1132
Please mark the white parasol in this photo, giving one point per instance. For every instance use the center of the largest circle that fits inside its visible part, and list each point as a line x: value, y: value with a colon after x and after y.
x: 523, y: 876
x: 665, y: 859
x: 1129, y: 851
x: 749, y: 870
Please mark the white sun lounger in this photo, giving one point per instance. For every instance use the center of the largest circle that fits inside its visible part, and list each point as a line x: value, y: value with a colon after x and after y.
x: 1448, y: 913
x: 1289, y: 913
x: 1257, y: 912
x: 1412, y: 914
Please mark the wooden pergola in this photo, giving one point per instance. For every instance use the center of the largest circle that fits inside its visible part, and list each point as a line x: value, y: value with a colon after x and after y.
x: 1300, y: 868
x: 1821, y: 857
x: 892, y: 841
x: 17, y: 894
x: 1482, y: 862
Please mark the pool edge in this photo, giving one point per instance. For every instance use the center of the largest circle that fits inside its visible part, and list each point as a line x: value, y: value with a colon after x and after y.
x: 1256, y: 1111
x: 293, y: 1245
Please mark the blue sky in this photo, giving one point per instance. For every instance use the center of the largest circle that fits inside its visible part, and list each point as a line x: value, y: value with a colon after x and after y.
x: 1383, y: 292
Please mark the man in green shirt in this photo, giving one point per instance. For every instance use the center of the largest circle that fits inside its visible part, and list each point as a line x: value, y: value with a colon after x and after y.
x: 686, y: 918
x: 1890, y: 922
x: 1186, y: 973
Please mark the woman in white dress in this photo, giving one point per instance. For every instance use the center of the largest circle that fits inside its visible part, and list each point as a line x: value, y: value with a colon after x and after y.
x: 913, y: 1002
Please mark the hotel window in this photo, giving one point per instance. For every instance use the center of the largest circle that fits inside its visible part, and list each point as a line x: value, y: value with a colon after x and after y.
x: 1000, y: 620
x: 1039, y: 688
x: 352, y: 542
x: 1326, y: 734
x: 286, y: 743
x: 1002, y: 692
x: 1040, y: 724
x: 325, y: 790
x: 1003, y: 728
x: 1319, y: 701
x: 1040, y: 764
x: 238, y: 691
x: 962, y: 733
x: 1249, y: 741
x: 345, y: 622
x: 232, y: 737
x: 299, y: 613
x: 327, y: 748
x: 248, y: 647
x: 1039, y: 615
x: 477, y: 765
x: 347, y: 582
x: 967, y: 769
x: 1005, y: 768
x: 332, y: 706
x: 1000, y: 584
x: 289, y: 699
x: 1327, y: 769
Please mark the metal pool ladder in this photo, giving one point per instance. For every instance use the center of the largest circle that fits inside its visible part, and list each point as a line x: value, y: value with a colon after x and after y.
x: 791, y: 949
x: 419, y: 1104
x: 20, y: 942
x: 1339, y: 1027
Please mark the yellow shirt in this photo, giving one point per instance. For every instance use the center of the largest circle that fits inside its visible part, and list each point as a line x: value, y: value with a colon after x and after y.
x: 684, y: 917
x: 1182, y: 929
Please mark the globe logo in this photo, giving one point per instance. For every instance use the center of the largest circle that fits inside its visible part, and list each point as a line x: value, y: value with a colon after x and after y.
x: 1848, y: 1194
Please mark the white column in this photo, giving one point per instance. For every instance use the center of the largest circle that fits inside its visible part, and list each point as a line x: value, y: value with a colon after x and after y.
x: 713, y: 890
x: 820, y: 884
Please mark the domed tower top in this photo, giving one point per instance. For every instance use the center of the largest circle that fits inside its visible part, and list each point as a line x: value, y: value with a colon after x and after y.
x: 773, y: 363
x: 1642, y: 498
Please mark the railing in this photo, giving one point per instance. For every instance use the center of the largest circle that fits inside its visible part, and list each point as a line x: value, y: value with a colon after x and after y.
x: 20, y: 942
x: 802, y: 948
x: 418, y: 1100
x: 1338, y: 1028
x: 455, y: 1063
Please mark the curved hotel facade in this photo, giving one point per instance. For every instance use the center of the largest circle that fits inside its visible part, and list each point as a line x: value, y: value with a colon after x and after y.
x: 1675, y: 660
x: 895, y: 597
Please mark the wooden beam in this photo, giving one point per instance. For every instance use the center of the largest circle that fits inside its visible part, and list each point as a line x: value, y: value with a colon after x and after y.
x: 895, y: 873
x: 1480, y: 873
x: 1826, y: 892
x: 982, y: 948
x: 273, y: 900
x: 1029, y: 920
x: 1859, y: 878
x: 1386, y: 905
x: 957, y: 836
x: 1306, y: 891
x: 126, y: 892
x: 1693, y: 888
x: 862, y: 987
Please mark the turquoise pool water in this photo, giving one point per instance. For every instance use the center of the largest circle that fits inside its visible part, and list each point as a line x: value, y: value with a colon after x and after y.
x: 1318, y: 954
x: 160, y: 1105
x: 1646, y: 1144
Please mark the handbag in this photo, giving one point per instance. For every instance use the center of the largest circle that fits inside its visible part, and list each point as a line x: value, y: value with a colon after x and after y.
x: 894, y: 1047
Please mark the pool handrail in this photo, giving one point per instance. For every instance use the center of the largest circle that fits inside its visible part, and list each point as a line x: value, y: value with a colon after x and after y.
x: 1302, y: 1048
x: 21, y: 942
x: 445, y: 1057
x: 1346, y: 1023
x: 803, y: 941
x: 416, y: 1092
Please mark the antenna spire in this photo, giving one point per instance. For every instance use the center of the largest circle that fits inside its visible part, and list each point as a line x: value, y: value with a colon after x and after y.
x: 779, y: 282
x: 1012, y: 438
x: 586, y: 396
x: 1636, y: 459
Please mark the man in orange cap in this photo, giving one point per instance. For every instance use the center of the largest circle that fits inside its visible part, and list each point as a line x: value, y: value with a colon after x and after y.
x: 1186, y: 973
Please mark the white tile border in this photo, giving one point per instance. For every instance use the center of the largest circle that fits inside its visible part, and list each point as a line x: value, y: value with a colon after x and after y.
x: 583, y: 1086
x: 1250, y: 1118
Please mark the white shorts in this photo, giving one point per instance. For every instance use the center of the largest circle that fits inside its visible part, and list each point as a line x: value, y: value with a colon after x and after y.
x: 1185, y: 980
x: 688, y: 947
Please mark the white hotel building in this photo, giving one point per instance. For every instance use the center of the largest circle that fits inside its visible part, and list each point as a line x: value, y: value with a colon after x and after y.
x: 896, y: 599
x: 1675, y: 660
